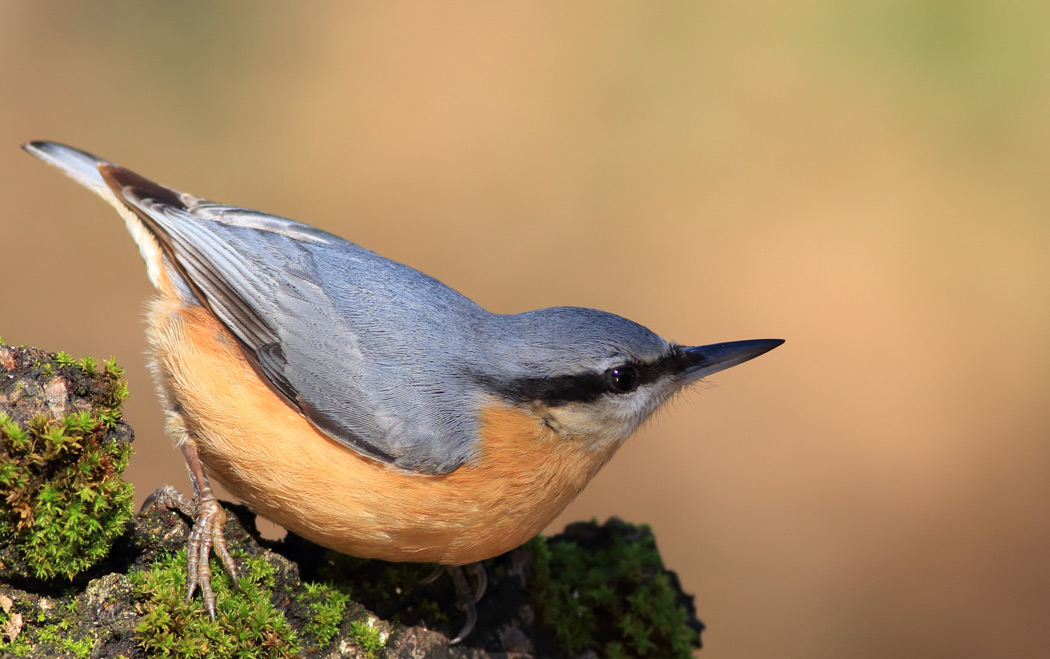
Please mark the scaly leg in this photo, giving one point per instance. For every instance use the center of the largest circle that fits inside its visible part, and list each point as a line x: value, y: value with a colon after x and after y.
x: 208, y: 519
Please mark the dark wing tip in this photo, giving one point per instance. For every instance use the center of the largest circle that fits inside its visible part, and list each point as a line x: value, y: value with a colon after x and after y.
x: 44, y: 148
x: 35, y: 145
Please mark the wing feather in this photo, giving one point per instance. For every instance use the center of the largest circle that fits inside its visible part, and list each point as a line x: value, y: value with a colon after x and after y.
x: 272, y: 282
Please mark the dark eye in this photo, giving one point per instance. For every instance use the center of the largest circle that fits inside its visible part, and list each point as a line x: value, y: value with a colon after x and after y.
x: 622, y: 379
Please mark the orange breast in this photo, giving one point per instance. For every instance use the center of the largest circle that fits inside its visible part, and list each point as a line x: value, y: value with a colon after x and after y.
x: 284, y: 469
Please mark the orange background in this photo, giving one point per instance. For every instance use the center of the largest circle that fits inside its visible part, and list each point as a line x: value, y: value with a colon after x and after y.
x: 868, y: 180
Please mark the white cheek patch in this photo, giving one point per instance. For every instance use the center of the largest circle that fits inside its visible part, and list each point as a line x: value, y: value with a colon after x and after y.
x: 632, y: 410
x: 610, y: 418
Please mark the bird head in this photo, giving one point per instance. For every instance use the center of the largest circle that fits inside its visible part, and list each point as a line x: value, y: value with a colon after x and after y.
x: 597, y: 376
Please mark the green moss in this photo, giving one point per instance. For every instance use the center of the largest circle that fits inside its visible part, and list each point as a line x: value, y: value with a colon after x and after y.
x: 49, y: 629
x: 64, y: 499
x: 613, y: 598
x: 116, y: 392
x: 247, y: 624
x: 326, y: 605
x: 63, y: 358
x: 367, y: 636
x: 78, y: 649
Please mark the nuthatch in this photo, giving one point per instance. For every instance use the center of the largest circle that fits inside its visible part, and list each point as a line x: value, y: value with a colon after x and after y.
x: 363, y: 404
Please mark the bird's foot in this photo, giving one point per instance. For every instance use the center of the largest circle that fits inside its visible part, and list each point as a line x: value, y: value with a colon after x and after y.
x: 207, y: 534
x: 466, y: 597
x: 167, y: 498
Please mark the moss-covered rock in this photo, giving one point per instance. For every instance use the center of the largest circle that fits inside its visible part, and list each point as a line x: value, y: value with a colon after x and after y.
x: 594, y: 591
x: 247, y: 623
x: 63, y: 449
x: 605, y: 589
x: 139, y: 609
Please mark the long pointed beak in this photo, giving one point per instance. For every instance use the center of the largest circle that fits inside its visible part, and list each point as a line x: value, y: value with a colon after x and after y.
x: 704, y: 360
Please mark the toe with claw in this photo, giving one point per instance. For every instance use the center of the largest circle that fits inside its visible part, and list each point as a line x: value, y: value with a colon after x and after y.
x: 207, y: 533
x: 466, y: 597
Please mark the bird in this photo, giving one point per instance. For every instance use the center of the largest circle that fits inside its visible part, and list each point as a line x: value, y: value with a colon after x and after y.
x: 364, y: 405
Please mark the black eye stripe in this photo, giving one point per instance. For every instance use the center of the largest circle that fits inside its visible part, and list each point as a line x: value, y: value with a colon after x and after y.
x: 560, y: 390
x: 586, y: 387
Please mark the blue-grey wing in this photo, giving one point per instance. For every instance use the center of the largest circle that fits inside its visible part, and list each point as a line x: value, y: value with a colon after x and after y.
x: 357, y: 343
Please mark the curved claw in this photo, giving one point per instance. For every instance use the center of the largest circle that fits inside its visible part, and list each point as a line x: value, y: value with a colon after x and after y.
x: 168, y: 498
x: 207, y: 535
x: 432, y: 577
x: 466, y: 597
x: 468, y: 626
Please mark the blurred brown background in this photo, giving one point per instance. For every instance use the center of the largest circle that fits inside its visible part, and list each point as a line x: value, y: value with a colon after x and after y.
x: 868, y: 180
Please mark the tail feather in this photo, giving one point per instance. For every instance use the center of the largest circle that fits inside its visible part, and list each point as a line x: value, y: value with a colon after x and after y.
x: 84, y: 168
x: 79, y: 165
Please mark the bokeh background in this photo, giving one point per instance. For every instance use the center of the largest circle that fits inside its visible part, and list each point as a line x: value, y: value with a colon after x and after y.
x: 868, y: 180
